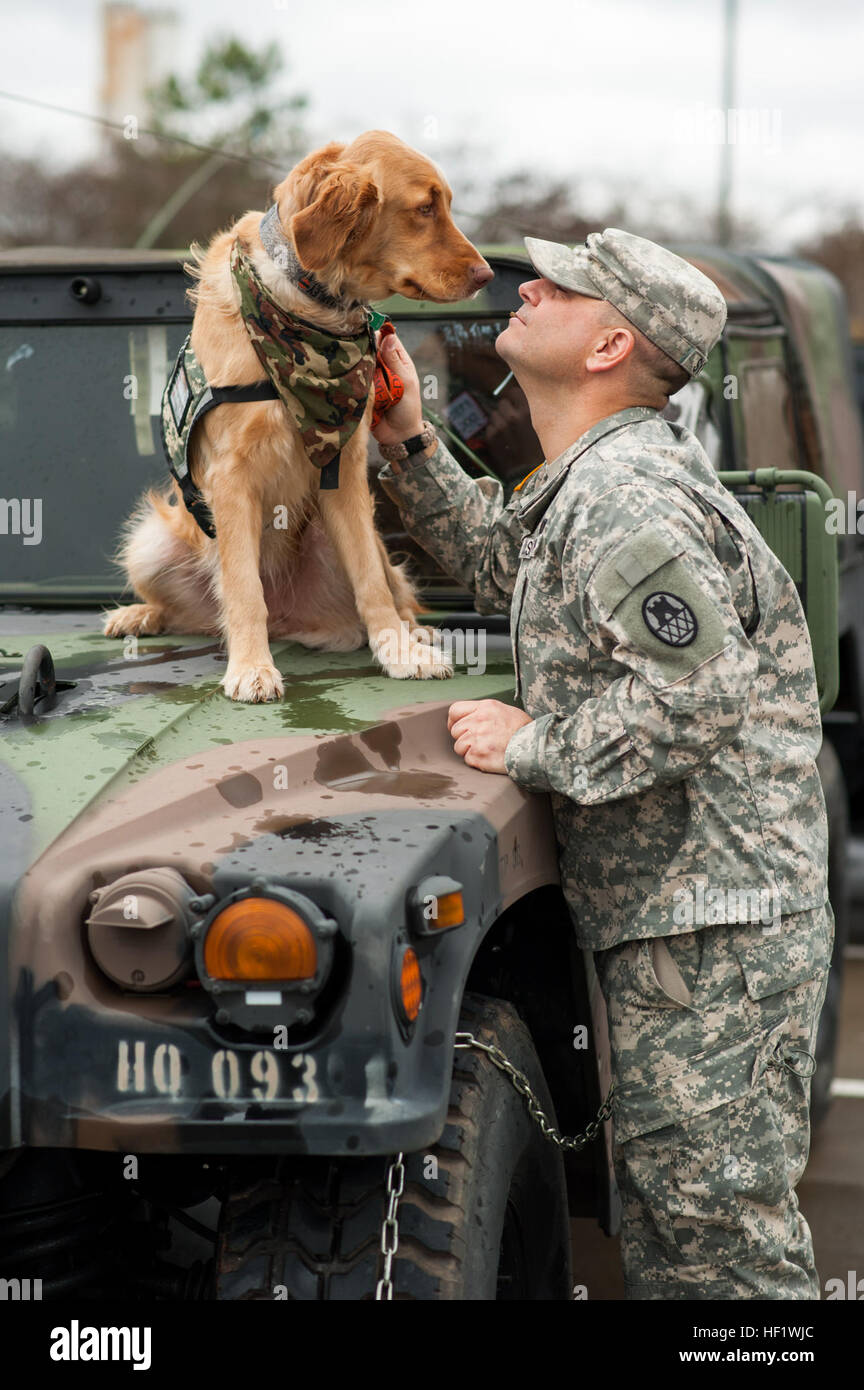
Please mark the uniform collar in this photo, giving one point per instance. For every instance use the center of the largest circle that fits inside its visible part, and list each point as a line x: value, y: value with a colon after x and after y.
x: 536, y: 502
x: 631, y: 415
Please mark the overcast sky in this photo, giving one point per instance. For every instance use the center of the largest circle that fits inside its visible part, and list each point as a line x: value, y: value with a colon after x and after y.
x: 615, y: 94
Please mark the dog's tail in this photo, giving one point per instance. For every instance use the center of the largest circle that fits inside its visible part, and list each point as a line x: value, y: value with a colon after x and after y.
x: 194, y: 268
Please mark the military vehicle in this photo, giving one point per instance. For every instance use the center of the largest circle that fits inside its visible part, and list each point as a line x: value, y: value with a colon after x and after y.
x: 291, y: 1006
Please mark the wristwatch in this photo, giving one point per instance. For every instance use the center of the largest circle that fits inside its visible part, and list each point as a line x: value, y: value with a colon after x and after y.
x: 394, y: 454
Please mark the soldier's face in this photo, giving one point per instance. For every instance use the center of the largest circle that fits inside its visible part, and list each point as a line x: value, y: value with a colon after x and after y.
x: 552, y: 333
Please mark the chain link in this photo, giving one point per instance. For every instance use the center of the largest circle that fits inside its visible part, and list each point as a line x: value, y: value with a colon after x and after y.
x: 523, y: 1086
x: 396, y: 1171
x: 390, y: 1227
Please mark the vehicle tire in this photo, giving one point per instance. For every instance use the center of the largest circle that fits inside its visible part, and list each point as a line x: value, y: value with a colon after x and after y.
x: 836, y: 805
x: 487, y: 1220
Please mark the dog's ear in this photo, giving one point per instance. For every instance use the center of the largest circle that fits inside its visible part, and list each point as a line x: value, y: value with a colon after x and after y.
x: 343, y: 212
x: 301, y: 186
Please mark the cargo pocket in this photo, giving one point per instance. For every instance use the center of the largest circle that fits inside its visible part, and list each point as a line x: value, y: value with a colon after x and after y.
x: 669, y: 1060
x: 729, y: 1203
x: 673, y: 1089
x: 772, y: 962
x: 730, y: 1199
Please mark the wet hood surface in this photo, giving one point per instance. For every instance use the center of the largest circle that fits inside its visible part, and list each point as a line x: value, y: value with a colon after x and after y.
x: 136, y: 708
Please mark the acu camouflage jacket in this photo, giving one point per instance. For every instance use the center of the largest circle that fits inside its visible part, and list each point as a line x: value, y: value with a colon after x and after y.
x: 663, y: 654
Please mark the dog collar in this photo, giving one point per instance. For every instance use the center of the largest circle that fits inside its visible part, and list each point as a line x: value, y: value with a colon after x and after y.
x: 281, y: 251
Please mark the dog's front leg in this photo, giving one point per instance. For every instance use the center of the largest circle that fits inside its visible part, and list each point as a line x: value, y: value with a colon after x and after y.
x: 348, y: 517
x: 251, y: 675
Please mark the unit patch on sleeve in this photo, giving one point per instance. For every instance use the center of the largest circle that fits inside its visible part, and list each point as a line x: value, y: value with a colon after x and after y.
x: 670, y: 619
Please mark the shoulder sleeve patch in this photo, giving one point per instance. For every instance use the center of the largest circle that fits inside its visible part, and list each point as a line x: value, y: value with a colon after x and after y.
x: 641, y: 554
x: 660, y: 605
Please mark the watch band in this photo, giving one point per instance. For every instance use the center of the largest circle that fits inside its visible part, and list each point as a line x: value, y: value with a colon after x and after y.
x: 396, y: 453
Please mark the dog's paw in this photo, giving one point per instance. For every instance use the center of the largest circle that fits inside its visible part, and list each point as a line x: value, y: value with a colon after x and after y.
x: 135, y: 620
x: 253, y: 685
x: 434, y: 664
x: 417, y: 661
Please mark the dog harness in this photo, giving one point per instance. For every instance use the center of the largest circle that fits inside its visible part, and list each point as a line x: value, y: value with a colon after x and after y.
x: 323, y: 381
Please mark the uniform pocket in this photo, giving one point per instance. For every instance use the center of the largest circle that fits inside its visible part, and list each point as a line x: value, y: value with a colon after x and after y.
x: 687, y: 1081
x: 630, y: 973
x: 728, y: 1198
x: 774, y: 961
x: 677, y: 963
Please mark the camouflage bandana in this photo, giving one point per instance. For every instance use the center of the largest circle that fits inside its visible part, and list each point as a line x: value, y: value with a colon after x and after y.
x: 322, y: 380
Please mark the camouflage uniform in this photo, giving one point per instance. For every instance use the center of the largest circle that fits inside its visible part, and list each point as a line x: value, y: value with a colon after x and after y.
x: 662, y: 652
x: 711, y: 1124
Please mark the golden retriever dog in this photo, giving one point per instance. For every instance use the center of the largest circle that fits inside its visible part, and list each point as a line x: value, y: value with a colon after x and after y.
x: 368, y: 219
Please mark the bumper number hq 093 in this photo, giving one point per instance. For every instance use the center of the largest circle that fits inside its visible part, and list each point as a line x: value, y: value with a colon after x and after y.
x: 143, y: 1070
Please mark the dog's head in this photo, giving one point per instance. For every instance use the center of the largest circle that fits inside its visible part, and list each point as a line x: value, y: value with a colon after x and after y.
x: 374, y: 218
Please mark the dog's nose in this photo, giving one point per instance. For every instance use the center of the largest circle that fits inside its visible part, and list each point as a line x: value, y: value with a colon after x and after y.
x: 481, y: 273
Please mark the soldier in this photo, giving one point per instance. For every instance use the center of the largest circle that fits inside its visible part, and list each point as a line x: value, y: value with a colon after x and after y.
x: 670, y: 711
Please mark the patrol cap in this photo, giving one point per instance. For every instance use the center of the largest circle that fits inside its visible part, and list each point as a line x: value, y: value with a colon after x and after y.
x: 666, y: 298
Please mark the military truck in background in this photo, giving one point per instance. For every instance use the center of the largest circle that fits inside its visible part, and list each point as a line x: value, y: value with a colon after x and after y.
x: 285, y: 987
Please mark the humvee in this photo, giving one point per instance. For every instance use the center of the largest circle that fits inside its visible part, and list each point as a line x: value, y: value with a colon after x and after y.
x: 291, y: 1005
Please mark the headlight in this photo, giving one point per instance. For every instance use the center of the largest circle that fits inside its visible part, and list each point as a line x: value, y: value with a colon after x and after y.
x: 138, y: 929
x: 260, y: 939
x: 264, y: 953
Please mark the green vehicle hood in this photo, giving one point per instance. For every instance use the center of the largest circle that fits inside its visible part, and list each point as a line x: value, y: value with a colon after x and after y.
x: 128, y: 716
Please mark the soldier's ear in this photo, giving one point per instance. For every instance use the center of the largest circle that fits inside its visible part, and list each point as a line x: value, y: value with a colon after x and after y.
x: 344, y: 212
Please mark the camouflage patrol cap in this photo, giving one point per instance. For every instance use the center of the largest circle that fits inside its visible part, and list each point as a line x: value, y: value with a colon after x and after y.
x: 669, y: 300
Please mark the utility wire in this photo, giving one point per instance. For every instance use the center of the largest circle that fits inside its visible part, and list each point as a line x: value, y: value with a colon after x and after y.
x: 193, y: 145
x: 142, y: 130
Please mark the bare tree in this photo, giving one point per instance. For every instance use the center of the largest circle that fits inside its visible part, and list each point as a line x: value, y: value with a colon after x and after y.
x: 842, y: 252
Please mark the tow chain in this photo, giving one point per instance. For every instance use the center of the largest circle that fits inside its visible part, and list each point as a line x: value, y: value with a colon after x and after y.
x: 523, y: 1086
x: 396, y: 1170
x: 390, y: 1228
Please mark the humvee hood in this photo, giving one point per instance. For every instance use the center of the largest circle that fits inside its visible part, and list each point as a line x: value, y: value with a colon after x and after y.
x: 156, y: 706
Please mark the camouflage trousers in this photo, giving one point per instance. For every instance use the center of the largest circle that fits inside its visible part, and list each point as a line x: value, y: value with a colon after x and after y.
x: 712, y: 1034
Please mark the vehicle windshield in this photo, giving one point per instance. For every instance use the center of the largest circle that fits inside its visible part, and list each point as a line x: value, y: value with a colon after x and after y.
x: 79, y: 442
x: 80, y: 439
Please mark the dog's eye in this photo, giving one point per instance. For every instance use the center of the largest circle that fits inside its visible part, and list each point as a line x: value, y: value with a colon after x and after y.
x: 427, y: 209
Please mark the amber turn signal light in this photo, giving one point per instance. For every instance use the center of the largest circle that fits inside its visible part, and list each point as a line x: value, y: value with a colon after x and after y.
x: 410, y: 984
x: 260, y: 939
x: 449, y: 911
x: 436, y: 904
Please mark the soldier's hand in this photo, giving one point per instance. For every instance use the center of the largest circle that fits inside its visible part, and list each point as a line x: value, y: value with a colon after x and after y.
x: 405, y: 418
x: 481, y: 730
